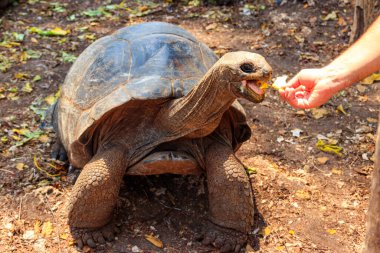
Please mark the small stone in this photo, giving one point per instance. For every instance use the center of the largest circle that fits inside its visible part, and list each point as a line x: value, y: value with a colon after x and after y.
x: 296, y: 132
x: 28, y: 235
x: 211, y: 26
x: 9, y: 226
x: 364, y: 129
x: 136, y: 249
x: 321, y: 137
x: 300, y: 113
x: 361, y: 88
x: 295, y: 204
x: 39, y: 245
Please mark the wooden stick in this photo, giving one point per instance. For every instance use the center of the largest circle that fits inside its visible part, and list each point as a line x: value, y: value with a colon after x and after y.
x: 365, y: 13
x: 372, y: 242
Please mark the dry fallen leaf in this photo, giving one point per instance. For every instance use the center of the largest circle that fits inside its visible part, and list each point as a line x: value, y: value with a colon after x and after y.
x: 341, y: 109
x: 331, y: 16
x: 332, y: 141
x: 47, y: 229
x: 361, y: 88
x: 303, y: 195
x: 363, y: 98
x: 266, y: 231
x: 20, y: 75
x: 372, y: 120
x: 20, y: 166
x: 322, y: 160
x: 155, y: 241
x: 43, y: 138
x: 300, y: 113
x: 34, y: 40
x: 21, y: 131
x: 336, y: 171
x: 371, y: 79
x: 211, y: 26
x: 319, y: 112
x: 64, y: 236
x: 37, y: 226
x: 341, y: 21
x: 280, y: 248
x: 331, y: 231
x: 27, y: 88
x: 52, y: 98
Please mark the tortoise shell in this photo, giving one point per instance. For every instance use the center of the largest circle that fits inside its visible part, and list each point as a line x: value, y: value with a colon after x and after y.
x: 147, y: 61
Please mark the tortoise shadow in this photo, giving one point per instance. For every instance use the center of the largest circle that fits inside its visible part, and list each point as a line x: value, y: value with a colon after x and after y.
x: 173, y: 207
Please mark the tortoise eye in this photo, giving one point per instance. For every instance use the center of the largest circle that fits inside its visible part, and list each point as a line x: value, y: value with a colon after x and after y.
x: 247, y: 68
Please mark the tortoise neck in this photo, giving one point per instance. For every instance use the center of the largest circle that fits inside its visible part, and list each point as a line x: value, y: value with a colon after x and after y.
x: 202, y: 108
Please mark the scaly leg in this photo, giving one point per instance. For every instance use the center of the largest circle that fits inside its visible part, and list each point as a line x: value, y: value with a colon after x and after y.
x: 230, y: 196
x: 94, y: 196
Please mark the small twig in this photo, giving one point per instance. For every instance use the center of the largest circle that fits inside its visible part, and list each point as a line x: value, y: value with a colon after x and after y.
x: 356, y: 158
x: 309, y: 247
x: 11, y: 172
x: 169, y: 207
x: 19, y: 209
x: 54, y: 219
x: 286, y: 248
x: 315, y: 167
x: 278, y: 238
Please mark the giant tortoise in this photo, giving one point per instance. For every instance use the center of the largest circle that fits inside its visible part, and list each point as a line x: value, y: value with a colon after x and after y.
x: 152, y: 99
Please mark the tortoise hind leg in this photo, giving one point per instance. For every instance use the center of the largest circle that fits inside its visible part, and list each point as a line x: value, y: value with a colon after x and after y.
x: 94, y: 196
x: 230, y: 197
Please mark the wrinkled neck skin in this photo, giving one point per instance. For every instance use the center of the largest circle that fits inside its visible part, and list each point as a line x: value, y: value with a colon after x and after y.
x: 201, y: 110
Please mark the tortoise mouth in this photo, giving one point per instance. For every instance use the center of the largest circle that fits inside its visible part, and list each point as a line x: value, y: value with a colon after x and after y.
x: 253, y: 90
x: 255, y: 86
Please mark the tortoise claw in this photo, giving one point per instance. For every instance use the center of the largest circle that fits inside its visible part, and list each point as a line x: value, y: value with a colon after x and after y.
x: 72, y: 174
x: 226, y: 240
x: 92, y: 237
x: 59, y: 152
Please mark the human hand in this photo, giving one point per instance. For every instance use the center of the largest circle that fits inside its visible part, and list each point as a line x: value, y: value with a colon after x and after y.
x: 311, y: 88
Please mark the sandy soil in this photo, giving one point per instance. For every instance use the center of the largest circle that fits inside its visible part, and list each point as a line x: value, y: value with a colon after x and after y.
x: 307, y: 200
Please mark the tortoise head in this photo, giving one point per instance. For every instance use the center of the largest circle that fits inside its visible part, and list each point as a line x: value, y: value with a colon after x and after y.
x: 247, y: 73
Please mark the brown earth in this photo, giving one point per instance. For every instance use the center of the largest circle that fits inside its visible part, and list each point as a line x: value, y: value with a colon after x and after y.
x: 307, y: 200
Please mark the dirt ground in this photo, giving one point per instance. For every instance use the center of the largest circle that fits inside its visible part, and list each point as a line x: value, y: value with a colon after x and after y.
x: 307, y: 200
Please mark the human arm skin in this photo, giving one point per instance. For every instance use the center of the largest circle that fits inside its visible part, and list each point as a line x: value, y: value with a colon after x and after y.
x: 314, y: 87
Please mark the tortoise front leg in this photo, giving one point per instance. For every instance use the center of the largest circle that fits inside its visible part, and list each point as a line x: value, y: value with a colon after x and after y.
x: 94, y: 196
x: 230, y: 196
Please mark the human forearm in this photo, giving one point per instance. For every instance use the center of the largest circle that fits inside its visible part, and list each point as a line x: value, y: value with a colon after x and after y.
x: 314, y: 87
x: 359, y: 60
